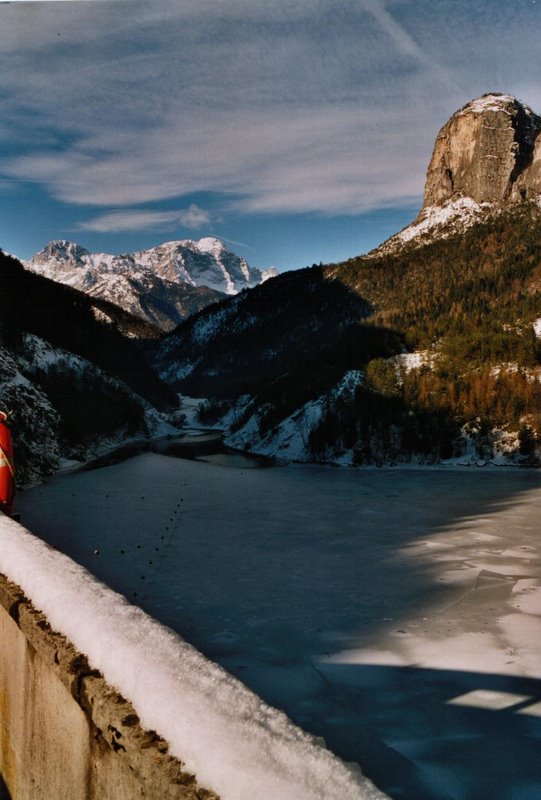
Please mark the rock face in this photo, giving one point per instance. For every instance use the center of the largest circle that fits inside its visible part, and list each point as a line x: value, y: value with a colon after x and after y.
x: 486, y: 157
x: 489, y: 151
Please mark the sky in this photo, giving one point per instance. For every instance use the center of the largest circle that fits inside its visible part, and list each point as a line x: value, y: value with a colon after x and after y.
x: 297, y: 131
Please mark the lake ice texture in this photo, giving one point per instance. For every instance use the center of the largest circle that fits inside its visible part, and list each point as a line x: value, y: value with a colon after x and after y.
x: 395, y: 612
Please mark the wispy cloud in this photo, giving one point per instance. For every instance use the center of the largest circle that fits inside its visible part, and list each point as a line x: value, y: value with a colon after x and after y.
x: 405, y: 41
x: 269, y: 162
x: 281, y: 107
x: 236, y: 243
x: 193, y: 217
x: 117, y: 221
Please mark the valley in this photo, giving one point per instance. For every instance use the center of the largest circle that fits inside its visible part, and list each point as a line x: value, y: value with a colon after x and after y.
x: 356, y: 536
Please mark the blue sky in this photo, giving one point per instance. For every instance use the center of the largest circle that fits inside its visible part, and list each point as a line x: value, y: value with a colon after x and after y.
x: 296, y: 131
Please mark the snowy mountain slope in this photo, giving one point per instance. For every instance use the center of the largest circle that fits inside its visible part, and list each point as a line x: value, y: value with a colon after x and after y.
x: 163, y: 285
x: 320, y: 430
x: 71, y: 382
x: 62, y: 406
x: 67, y: 318
x: 436, y: 222
x: 290, y: 438
x: 33, y: 418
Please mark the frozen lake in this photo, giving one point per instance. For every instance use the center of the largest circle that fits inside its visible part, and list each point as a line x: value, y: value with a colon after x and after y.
x: 395, y: 612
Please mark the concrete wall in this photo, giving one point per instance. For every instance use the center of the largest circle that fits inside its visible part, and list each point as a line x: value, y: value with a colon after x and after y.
x: 65, y: 734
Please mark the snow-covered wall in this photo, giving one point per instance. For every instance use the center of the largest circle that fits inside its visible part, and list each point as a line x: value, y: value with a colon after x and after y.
x: 66, y: 727
x: 65, y: 732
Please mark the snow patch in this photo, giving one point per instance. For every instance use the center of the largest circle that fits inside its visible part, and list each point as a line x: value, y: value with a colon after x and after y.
x: 415, y: 360
x: 464, y: 211
x: 493, y: 102
x: 289, y: 439
x: 225, y: 734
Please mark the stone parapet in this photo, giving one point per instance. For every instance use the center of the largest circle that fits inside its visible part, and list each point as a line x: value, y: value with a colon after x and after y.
x: 65, y: 733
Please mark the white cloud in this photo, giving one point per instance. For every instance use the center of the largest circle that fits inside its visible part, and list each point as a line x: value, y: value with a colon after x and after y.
x: 194, y: 217
x: 117, y: 221
x: 281, y: 107
x: 265, y: 162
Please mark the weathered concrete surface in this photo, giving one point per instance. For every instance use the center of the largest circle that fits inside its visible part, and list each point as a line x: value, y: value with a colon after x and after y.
x: 64, y: 732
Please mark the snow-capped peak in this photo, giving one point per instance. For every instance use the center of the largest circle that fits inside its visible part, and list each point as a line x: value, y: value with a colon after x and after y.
x: 210, y: 245
x: 169, y: 278
x: 62, y: 250
x: 494, y: 102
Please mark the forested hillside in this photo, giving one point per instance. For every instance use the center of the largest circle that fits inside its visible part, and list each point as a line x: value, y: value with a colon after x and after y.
x: 476, y: 293
x: 466, y: 304
x: 472, y: 300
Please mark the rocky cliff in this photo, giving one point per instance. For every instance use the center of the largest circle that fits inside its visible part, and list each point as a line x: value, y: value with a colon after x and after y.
x: 486, y: 158
x: 489, y: 151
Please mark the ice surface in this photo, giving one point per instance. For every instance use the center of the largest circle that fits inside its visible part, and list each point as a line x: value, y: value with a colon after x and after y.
x: 362, y: 602
x: 234, y: 742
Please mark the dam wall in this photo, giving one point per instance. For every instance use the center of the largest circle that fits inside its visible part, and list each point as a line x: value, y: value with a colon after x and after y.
x: 65, y: 733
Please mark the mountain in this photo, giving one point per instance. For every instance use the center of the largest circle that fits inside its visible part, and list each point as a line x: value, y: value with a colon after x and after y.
x: 162, y: 285
x: 70, y: 379
x: 489, y: 151
x: 486, y: 157
x: 425, y: 349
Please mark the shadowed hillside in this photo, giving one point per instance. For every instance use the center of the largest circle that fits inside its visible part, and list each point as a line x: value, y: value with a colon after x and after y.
x: 65, y: 318
x: 69, y: 377
x: 466, y: 304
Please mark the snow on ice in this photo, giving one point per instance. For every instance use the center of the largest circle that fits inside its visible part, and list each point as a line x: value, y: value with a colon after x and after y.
x: 365, y: 603
x: 231, y: 739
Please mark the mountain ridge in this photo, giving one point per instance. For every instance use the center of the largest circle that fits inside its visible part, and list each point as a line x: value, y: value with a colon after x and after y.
x: 162, y: 285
